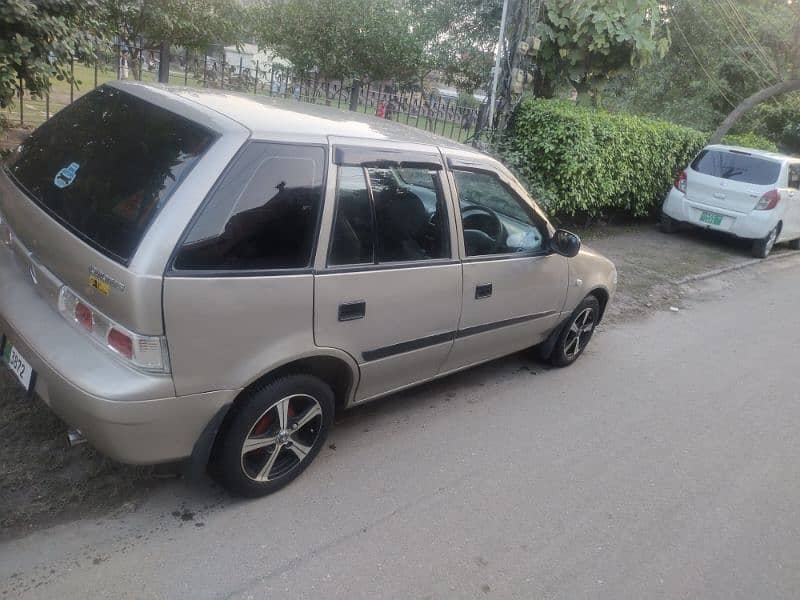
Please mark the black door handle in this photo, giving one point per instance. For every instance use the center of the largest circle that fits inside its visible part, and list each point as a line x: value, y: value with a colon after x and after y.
x: 350, y: 311
x: 483, y: 291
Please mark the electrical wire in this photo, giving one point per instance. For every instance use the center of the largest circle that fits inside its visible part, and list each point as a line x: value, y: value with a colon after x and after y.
x: 702, y: 66
x: 760, y: 52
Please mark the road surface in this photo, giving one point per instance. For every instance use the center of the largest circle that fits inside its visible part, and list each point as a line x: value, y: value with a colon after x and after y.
x: 664, y: 464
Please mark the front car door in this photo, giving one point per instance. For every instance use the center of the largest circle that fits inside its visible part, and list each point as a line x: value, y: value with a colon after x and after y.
x: 514, y: 288
x: 388, y: 290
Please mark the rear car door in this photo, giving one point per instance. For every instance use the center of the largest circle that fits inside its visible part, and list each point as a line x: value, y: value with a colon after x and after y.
x: 388, y: 292
x: 791, y: 195
x: 239, y: 295
x: 514, y: 288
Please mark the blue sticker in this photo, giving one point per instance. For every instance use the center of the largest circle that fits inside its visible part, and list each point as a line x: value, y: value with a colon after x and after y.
x: 66, y: 175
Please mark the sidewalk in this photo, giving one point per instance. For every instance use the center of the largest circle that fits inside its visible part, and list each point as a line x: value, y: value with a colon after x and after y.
x: 43, y: 482
x: 652, y: 266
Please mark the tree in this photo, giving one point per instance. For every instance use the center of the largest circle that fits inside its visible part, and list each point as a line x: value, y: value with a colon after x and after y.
x: 588, y: 42
x: 787, y: 69
x: 161, y: 24
x: 458, y: 38
x: 38, y: 41
x: 340, y: 39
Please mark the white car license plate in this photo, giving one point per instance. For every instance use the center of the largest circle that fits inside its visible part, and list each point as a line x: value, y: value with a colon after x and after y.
x: 20, y: 367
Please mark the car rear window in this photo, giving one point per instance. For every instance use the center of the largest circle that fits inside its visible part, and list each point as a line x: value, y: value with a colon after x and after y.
x: 737, y: 166
x: 105, y: 165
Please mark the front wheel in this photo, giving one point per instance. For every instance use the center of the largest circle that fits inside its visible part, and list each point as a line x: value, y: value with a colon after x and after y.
x: 762, y: 247
x: 576, y: 335
x: 277, y: 430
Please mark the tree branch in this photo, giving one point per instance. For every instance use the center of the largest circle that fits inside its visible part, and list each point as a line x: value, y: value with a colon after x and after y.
x: 790, y: 85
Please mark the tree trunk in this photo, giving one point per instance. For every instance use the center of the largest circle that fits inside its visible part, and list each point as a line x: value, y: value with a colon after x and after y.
x: 163, y: 65
x: 790, y: 85
x: 355, y: 90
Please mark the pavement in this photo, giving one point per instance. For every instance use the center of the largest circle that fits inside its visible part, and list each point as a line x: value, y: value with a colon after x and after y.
x: 663, y: 464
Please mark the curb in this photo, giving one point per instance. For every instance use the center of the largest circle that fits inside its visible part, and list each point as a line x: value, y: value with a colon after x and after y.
x: 736, y: 267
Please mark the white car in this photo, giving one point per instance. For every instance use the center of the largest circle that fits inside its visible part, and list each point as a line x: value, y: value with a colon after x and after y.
x: 744, y: 192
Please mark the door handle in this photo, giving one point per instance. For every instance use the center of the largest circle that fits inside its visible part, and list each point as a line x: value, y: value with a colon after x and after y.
x: 350, y: 311
x: 483, y: 291
x: 719, y: 196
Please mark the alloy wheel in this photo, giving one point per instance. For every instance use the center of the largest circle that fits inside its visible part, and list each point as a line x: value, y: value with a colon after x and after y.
x: 281, y: 438
x: 580, y: 331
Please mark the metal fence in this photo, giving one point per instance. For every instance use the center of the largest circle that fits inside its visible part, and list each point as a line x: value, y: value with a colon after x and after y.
x: 430, y: 111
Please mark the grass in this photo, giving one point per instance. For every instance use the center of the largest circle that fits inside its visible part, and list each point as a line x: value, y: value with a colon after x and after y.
x: 36, y: 111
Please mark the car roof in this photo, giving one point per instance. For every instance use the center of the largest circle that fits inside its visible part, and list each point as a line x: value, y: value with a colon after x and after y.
x: 750, y: 151
x: 274, y: 117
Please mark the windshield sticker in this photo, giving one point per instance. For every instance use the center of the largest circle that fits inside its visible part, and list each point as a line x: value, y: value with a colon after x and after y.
x: 66, y: 176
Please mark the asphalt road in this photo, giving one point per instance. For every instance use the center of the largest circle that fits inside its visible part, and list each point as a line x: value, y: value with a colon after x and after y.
x: 664, y: 464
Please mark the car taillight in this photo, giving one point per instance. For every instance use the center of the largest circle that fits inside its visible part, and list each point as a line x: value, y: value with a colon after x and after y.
x: 145, y: 352
x: 83, y: 316
x: 769, y: 200
x: 680, y: 182
x: 120, y: 342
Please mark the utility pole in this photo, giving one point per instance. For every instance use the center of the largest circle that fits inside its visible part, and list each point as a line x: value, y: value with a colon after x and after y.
x: 497, y: 61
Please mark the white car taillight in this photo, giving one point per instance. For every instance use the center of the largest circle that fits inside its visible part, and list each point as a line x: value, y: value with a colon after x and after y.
x: 145, y: 352
x: 769, y: 200
x: 680, y: 182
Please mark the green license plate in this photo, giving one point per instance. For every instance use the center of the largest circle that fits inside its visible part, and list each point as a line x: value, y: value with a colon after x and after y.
x: 710, y: 218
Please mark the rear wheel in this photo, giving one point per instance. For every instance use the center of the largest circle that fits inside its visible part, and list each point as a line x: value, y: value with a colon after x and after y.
x: 667, y: 224
x: 576, y: 335
x: 762, y: 247
x: 277, y: 431
x: 794, y: 244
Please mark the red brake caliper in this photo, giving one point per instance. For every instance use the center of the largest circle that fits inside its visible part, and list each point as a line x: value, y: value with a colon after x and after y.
x: 263, y: 424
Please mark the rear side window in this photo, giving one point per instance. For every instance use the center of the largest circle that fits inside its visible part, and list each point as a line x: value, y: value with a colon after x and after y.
x: 737, y: 166
x: 264, y: 213
x: 105, y: 165
x: 794, y: 176
x: 386, y: 215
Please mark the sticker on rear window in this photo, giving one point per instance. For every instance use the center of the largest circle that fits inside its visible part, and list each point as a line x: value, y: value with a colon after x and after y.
x: 66, y: 176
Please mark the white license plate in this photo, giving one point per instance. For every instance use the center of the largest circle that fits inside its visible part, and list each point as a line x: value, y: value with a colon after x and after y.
x: 18, y: 365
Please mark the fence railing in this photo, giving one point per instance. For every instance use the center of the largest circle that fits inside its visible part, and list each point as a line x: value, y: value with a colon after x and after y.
x: 431, y: 111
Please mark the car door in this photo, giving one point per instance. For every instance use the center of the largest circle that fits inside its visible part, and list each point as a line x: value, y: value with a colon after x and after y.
x: 389, y: 292
x: 514, y: 288
x: 791, y: 215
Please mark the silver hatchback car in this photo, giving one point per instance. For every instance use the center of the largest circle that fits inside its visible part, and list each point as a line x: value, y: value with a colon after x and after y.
x: 200, y: 274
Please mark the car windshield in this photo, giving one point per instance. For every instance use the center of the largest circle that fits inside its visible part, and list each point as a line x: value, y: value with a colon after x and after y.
x: 105, y: 165
x: 737, y: 166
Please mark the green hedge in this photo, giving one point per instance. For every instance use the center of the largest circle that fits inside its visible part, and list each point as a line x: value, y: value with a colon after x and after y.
x: 589, y: 163
x: 750, y: 140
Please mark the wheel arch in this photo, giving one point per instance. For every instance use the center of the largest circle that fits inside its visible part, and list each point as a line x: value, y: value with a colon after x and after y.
x: 335, y: 368
x: 602, y: 296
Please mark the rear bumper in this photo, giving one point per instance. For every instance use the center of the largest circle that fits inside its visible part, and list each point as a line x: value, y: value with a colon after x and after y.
x: 752, y: 225
x: 130, y: 416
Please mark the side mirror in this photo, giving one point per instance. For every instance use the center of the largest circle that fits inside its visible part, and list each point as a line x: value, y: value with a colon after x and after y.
x: 565, y: 243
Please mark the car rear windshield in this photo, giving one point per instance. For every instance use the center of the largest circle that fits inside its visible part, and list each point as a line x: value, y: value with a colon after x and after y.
x: 106, y: 164
x: 737, y: 166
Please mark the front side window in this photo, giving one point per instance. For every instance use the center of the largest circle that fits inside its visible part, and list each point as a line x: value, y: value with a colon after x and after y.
x: 388, y: 215
x: 494, y: 218
x: 263, y: 215
x: 105, y: 165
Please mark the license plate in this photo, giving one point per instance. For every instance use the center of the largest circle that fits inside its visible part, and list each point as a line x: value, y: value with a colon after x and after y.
x: 711, y: 218
x: 18, y: 365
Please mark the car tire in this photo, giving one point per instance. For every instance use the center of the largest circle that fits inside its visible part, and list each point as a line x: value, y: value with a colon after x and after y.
x: 667, y: 224
x: 762, y: 247
x: 794, y: 244
x: 277, y: 430
x: 577, y: 332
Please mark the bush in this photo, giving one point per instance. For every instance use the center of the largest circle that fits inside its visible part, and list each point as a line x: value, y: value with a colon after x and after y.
x: 594, y: 164
x: 750, y: 140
